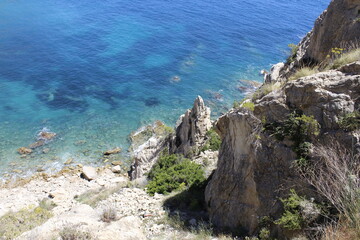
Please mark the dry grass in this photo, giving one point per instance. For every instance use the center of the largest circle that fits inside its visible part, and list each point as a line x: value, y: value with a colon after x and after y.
x: 13, y: 224
x: 73, y: 233
x: 265, y: 89
x: 303, y: 72
x: 92, y: 197
x: 335, y: 175
x: 346, y: 58
x: 338, y: 232
x: 109, y: 215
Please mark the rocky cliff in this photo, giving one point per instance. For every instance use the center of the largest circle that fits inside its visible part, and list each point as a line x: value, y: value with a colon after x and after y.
x: 255, y: 168
x: 190, y: 135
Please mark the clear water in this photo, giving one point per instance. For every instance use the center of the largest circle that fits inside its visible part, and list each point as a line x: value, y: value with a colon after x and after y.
x: 94, y: 71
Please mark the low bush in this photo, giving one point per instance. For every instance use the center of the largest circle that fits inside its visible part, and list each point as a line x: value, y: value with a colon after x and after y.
x: 109, y: 214
x: 299, y: 128
x: 173, y: 172
x: 291, y: 218
x: 248, y: 105
x: 213, y: 141
x: 350, y: 121
x: 293, y: 50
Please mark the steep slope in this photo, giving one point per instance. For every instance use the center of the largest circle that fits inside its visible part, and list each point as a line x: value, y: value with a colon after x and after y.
x: 256, y: 166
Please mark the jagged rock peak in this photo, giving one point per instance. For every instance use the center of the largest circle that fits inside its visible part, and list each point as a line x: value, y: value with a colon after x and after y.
x: 192, y: 128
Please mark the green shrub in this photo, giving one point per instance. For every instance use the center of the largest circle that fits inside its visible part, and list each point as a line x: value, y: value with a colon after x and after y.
x: 350, y: 121
x: 299, y: 128
x: 264, y: 234
x: 173, y: 172
x: 303, y: 72
x: 293, y: 50
x: 291, y: 218
x: 248, y: 105
x: 213, y: 141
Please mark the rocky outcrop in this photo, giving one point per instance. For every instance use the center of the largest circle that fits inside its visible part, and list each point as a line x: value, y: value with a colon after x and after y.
x: 190, y: 133
x: 337, y: 27
x: 147, y: 144
x: 254, y: 169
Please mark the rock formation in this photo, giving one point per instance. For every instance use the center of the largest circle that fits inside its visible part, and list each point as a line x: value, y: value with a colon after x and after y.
x: 190, y: 133
x: 254, y: 168
x: 150, y: 141
x: 337, y: 27
x: 147, y: 144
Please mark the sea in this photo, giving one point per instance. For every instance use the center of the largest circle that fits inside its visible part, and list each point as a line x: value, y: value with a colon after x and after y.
x: 95, y: 71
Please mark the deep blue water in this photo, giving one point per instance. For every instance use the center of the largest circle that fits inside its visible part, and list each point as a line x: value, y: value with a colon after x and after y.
x: 94, y: 71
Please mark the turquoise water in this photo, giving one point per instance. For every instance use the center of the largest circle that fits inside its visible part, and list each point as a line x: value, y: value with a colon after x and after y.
x: 95, y: 71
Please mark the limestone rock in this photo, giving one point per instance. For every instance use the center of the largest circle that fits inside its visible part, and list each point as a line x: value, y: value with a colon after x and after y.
x: 352, y: 68
x: 24, y: 150
x: 113, y: 151
x: 89, y: 173
x: 274, y: 73
x: 116, y: 169
x: 147, y: 143
x: 336, y: 27
x: 191, y: 131
x: 254, y: 169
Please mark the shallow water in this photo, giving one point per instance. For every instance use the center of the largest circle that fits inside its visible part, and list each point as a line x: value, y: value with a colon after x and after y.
x: 95, y: 71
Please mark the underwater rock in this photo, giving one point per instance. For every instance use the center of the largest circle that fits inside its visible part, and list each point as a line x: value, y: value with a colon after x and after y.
x: 116, y: 163
x: 69, y: 161
x: 113, y: 151
x: 152, y: 101
x: 45, y: 135
x: 175, y: 79
x: 37, y: 144
x: 24, y: 151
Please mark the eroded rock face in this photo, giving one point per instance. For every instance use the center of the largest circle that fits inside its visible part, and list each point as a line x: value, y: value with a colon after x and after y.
x: 326, y: 96
x: 147, y: 144
x: 244, y: 186
x: 337, y: 27
x: 254, y: 169
x: 191, y: 131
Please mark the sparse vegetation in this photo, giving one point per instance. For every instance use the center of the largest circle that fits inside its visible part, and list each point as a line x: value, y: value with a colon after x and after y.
x: 213, y: 141
x: 299, y: 128
x: 335, y: 176
x: 350, y: 121
x: 303, y: 72
x: 291, y: 218
x: 73, y: 233
x: 92, y: 197
x: 293, y: 50
x: 264, y: 90
x: 109, y: 214
x: 248, y: 105
x: 173, y: 172
x: 13, y: 224
x: 346, y: 58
